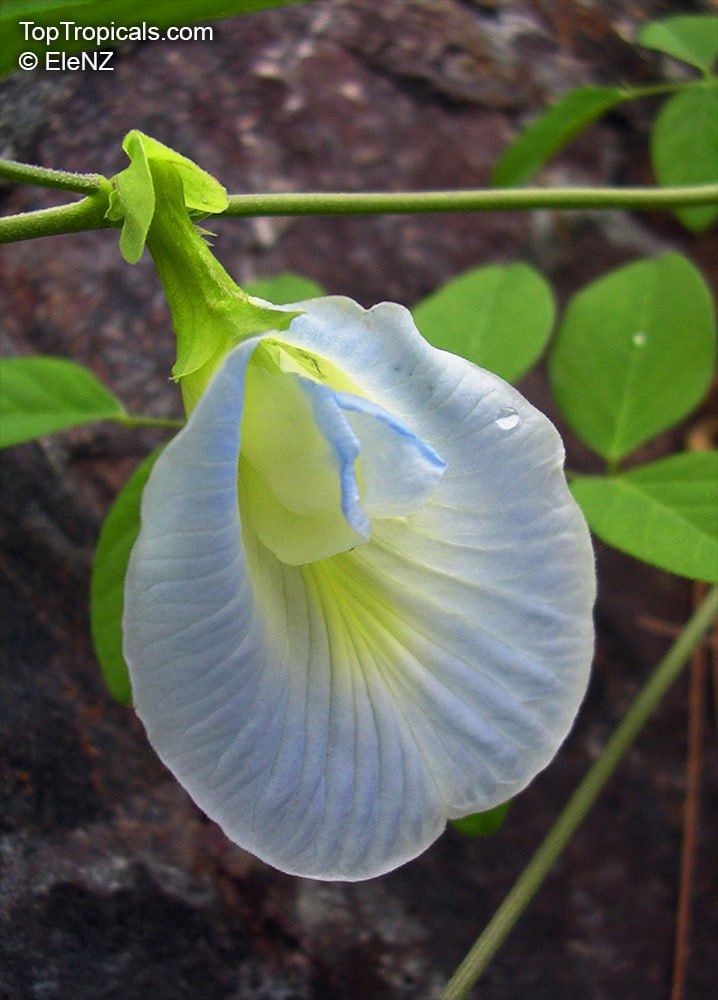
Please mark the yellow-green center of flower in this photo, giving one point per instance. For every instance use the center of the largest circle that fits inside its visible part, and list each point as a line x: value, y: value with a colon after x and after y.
x: 318, y: 461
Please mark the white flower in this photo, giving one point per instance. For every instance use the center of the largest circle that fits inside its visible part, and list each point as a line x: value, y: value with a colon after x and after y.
x: 368, y: 612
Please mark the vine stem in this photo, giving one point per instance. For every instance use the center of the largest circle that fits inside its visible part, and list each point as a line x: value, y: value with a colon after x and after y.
x: 473, y: 200
x: 77, y: 217
x: 89, y: 213
x: 64, y: 180
x: 533, y: 875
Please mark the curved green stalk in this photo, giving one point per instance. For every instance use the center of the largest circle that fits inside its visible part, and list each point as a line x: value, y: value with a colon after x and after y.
x: 533, y: 875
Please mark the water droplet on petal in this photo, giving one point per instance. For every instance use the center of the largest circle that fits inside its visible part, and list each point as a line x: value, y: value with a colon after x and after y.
x: 507, y: 419
x: 639, y: 339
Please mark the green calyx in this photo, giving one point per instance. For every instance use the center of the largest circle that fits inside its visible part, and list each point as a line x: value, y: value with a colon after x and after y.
x: 156, y: 198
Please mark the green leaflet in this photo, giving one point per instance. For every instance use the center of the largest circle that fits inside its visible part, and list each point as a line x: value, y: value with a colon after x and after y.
x: 634, y: 354
x: 551, y: 131
x: 283, y: 289
x: 41, y: 395
x: 692, y: 38
x: 499, y: 316
x: 665, y: 513
x: 684, y: 146
x: 109, y: 567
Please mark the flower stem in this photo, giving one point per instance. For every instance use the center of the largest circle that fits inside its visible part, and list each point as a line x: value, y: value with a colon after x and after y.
x: 476, y: 200
x: 533, y: 875
x: 64, y: 180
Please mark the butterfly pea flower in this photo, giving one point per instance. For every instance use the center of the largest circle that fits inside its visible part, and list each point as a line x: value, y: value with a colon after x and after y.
x: 360, y: 600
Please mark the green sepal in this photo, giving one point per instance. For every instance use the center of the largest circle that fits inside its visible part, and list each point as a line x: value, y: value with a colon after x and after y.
x: 133, y: 198
x: 211, y: 314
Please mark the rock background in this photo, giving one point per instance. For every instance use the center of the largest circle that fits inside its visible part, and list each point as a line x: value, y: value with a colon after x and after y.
x: 113, y: 885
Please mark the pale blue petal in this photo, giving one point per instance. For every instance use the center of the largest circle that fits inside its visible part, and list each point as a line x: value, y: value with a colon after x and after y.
x: 399, y: 471
x: 338, y: 432
x: 331, y: 716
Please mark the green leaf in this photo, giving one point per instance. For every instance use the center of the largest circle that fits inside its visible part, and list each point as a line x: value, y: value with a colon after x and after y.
x: 499, y: 317
x: 634, y: 354
x: 284, y: 289
x: 551, y: 131
x: 42, y: 395
x: 133, y: 199
x: 665, y: 513
x: 123, y: 14
x: 117, y: 537
x: 482, y: 824
x: 692, y: 38
x: 684, y: 147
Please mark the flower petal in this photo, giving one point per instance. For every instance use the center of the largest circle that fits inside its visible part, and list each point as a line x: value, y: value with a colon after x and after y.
x: 386, y: 444
x: 331, y: 716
